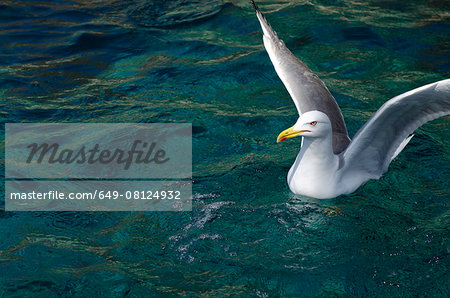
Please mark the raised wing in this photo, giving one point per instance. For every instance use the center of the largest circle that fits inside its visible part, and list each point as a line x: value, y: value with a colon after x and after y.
x: 308, y: 92
x: 388, y: 130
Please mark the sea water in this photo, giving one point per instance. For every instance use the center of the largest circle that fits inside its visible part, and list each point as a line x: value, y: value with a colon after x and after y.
x: 203, y: 62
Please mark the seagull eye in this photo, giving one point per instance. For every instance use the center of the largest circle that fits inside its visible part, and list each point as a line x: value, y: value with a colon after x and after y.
x: 313, y: 123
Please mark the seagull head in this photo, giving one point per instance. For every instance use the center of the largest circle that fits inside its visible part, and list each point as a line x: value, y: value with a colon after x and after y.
x: 312, y: 124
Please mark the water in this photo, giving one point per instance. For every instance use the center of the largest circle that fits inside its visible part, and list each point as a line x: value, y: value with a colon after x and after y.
x: 192, y: 61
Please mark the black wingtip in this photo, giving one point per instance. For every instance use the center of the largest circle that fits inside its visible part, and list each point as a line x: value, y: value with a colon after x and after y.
x: 255, y: 6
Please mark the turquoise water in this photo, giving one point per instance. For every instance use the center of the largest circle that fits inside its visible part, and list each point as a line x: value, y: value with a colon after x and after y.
x: 203, y: 62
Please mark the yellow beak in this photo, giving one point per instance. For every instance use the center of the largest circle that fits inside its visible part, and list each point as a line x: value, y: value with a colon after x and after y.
x: 289, y: 133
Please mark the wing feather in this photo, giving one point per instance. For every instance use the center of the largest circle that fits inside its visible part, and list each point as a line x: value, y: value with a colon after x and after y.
x: 306, y: 89
x: 389, y: 129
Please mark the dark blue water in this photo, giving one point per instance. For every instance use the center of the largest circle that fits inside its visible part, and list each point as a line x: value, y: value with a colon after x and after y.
x: 203, y: 62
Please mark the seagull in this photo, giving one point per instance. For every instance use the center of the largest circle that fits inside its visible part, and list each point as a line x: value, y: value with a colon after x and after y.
x: 329, y: 164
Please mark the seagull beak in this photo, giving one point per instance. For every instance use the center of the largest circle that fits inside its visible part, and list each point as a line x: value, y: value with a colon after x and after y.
x: 289, y: 133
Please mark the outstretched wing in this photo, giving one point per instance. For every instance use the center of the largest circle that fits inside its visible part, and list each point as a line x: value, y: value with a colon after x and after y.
x: 308, y: 92
x: 387, y: 131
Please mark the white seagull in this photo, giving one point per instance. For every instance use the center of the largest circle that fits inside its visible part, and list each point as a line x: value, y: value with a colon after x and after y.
x: 329, y: 163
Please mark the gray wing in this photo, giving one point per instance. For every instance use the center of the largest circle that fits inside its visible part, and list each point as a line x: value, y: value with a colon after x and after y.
x: 388, y: 131
x: 308, y: 92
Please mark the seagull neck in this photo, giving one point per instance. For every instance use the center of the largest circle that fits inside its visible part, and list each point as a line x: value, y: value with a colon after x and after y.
x: 318, y: 148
